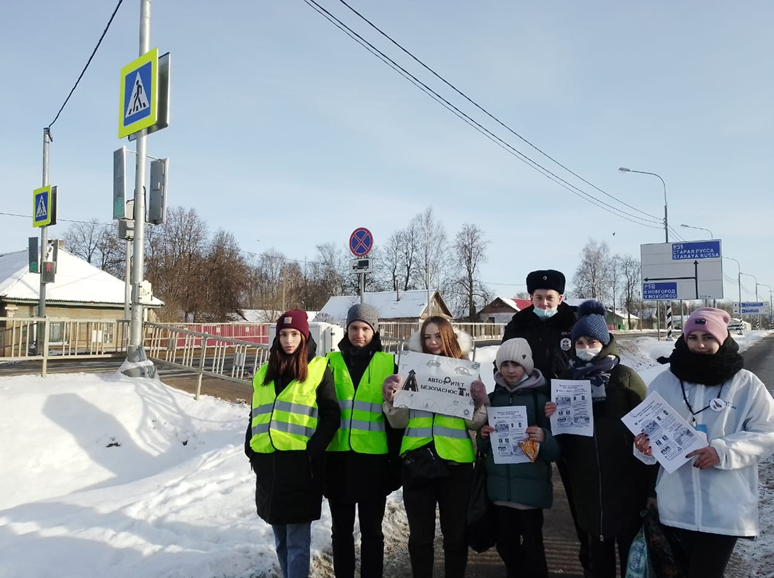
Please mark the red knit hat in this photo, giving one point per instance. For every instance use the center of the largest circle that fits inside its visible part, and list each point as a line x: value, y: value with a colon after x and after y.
x: 294, y: 319
x: 710, y: 320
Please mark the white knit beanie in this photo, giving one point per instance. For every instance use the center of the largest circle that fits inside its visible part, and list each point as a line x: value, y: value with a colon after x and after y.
x: 518, y: 351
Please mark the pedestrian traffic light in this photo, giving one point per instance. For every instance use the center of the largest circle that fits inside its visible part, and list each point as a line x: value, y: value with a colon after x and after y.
x: 33, y: 255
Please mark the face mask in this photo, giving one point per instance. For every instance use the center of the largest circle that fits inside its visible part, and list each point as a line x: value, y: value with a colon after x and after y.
x: 545, y: 313
x: 588, y: 354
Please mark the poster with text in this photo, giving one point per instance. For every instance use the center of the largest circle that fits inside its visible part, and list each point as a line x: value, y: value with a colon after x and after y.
x: 574, y: 414
x: 510, y: 427
x: 436, y: 384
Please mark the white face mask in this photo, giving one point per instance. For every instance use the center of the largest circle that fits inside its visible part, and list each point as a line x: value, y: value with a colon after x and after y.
x: 545, y: 313
x: 588, y: 354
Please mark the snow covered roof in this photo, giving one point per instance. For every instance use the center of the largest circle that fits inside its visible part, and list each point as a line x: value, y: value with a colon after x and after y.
x: 412, y: 304
x: 76, y: 282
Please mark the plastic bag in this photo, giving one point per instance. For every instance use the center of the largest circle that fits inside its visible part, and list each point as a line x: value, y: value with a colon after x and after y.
x: 637, y: 562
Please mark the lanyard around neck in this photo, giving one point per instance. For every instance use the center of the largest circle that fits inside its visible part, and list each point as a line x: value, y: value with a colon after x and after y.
x: 690, y: 407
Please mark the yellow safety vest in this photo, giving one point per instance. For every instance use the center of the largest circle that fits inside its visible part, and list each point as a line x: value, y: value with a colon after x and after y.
x: 452, y: 441
x: 362, y: 419
x: 285, y: 421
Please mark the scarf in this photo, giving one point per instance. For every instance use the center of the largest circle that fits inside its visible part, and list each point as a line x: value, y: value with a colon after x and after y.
x: 706, y: 369
x: 597, y: 371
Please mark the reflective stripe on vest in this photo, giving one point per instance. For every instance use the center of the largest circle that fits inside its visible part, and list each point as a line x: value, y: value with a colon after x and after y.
x: 362, y: 419
x: 285, y: 421
x: 450, y: 435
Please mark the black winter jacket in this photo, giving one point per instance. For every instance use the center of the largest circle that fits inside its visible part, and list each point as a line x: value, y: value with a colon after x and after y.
x: 288, y: 484
x: 352, y: 477
x: 609, y: 484
x: 549, y: 339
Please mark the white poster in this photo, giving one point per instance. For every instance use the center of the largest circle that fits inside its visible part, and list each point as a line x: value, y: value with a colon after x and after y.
x: 574, y: 414
x: 671, y: 437
x: 436, y: 384
x: 510, y: 427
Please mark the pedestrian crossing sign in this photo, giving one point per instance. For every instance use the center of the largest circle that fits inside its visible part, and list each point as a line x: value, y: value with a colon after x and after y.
x: 138, y: 108
x: 41, y: 207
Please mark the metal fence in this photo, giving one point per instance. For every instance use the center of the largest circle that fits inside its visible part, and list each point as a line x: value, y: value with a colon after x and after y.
x: 41, y: 339
x: 205, y: 354
x: 478, y: 331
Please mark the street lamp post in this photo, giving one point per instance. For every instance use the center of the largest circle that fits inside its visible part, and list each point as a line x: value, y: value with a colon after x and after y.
x: 756, y: 294
x: 739, y: 283
x: 706, y: 301
x: 699, y: 228
x: 771, y: 310
x: 666, y: 235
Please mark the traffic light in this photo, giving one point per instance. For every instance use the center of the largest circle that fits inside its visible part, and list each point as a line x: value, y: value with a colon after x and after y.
x: 33, y: 255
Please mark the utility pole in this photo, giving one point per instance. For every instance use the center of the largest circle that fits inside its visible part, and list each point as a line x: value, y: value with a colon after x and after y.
x: 40, y: 339
x: 135, y: 351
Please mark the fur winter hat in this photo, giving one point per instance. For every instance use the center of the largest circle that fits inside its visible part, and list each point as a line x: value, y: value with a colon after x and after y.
x: 710, y: 320
x: 548, y: 279
x: 518, y: 351
x: 294, y: 319
x: 365, y: 313
x: 591, y: 322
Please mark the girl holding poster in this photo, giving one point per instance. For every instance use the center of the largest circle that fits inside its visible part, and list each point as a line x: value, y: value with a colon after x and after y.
x: 707, y: 507
x: 438, y: 457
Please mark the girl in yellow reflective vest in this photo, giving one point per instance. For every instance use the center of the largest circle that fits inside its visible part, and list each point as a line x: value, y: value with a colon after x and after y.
x: 294, y: 416
x: 448, y: 442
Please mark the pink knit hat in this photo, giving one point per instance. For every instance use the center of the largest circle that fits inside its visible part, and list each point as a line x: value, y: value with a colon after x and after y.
x: 710, y: 320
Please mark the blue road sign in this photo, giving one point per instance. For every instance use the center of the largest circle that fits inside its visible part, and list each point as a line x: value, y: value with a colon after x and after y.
x: 139, y: 94
x: 361, y: 242
x: 700, y: 250
x: 41, y: 207
x: 659, y: 291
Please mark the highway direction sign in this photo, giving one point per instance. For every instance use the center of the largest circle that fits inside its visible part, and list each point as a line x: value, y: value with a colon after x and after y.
x: 689, y: 270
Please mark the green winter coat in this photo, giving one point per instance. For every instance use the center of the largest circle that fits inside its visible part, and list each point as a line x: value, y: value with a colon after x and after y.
x: 528, y: 484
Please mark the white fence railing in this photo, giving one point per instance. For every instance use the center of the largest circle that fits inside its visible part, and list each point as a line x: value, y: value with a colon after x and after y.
x: 41, y: 339
x: 203, y: 353
x: 478, y: 331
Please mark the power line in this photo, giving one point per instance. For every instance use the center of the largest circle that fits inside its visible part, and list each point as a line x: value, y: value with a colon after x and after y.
x: 63, y: 220
x: 88, y: 62
x: 490, y: 115
x: 476, y: 125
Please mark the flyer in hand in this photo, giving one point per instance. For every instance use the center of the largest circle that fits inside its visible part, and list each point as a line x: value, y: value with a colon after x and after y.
x: 436, y: 384
x: 671, y: 437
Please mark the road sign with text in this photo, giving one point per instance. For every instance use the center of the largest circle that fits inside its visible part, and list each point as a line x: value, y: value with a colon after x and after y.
x: 752, y: 308
x: 687, y: 270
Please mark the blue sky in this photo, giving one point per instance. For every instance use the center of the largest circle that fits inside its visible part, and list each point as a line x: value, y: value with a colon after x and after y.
x: 285, y: 130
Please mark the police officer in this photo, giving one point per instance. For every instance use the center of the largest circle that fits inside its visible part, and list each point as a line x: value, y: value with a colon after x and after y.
x: 363, y: 463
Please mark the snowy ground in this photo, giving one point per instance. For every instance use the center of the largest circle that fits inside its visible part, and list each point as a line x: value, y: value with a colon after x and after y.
x: 105, y: 476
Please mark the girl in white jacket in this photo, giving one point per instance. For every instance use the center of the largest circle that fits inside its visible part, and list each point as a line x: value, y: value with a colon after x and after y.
x: 709, y: 505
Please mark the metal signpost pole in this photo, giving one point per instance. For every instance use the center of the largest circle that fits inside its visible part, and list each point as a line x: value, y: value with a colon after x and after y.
x: 44, y: 229
x: 135, y: 351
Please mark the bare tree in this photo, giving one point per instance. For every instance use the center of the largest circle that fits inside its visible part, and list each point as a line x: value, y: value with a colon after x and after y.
x: 224, y: 276
x: 97, y: 244
x: 432, y: 249
x: 592, y: 277
x: 630, y: 272
x: 174, y: 262
x: 470, y: 253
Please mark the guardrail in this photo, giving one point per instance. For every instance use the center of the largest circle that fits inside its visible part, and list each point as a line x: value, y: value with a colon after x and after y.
x: 205, y: 354
x: 478, y: 331
x: 59, y: 338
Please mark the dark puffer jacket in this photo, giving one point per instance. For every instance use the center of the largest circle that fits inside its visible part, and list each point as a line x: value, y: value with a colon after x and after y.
x: 353, y: 477
x: 528, y: 484
x: 609, y: 484
x: 288, y: 484
x: 549, y: 338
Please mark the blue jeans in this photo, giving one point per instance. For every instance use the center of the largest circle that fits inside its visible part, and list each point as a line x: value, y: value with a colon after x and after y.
x: 293, y: 543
